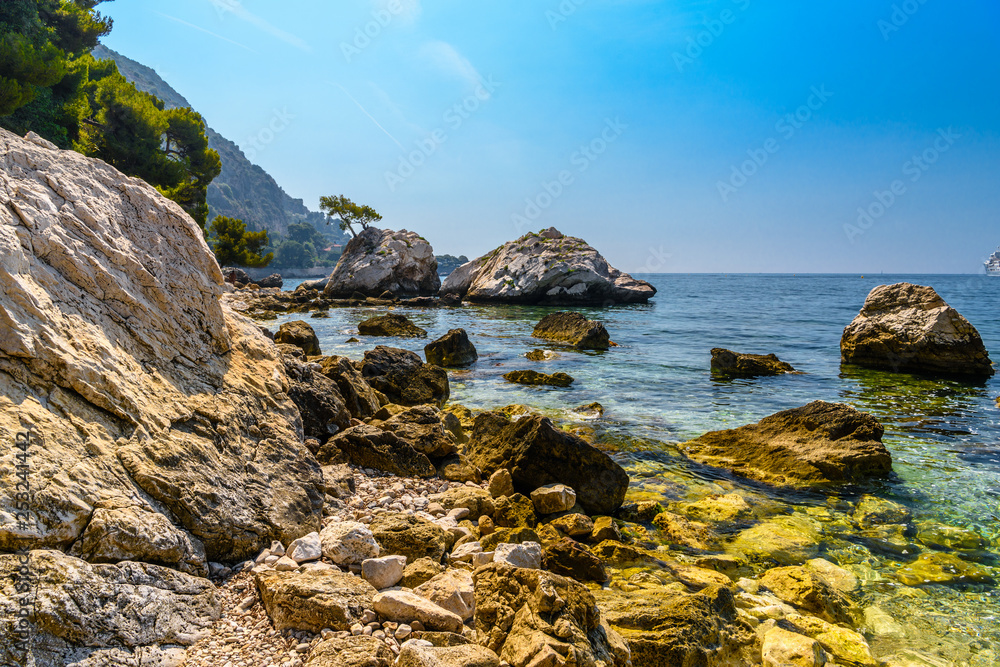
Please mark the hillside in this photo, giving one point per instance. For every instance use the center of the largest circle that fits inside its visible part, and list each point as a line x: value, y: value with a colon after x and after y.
x: 243, y: 190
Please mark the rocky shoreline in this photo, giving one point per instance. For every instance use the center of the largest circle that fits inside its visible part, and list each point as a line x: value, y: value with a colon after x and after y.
x: 203, y: 491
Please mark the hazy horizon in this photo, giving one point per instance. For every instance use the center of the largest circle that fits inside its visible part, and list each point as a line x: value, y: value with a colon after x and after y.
x: 697, y: 136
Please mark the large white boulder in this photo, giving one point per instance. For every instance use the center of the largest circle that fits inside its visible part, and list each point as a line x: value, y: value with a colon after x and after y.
x: 380, y: 260
x: 547, y: 268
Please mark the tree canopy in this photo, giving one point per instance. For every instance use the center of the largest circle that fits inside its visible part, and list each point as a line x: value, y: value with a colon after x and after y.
x: 235, y: 246
x: 349, y: 213
x: 50, y: 84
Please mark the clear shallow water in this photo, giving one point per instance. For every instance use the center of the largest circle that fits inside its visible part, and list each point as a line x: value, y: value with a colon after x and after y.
x: 656, y: 388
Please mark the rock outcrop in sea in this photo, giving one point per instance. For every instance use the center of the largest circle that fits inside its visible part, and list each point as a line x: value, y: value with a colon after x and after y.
x: 547, y: 268
x: 910, y: 328
x: 819, y: 443
x: 160, y: 420
x: 382, y: 260
x: 729, y: 364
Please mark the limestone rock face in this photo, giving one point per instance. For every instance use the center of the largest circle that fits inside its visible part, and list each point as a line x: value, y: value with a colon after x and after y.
x: 727, y: 363
x: 78, y: 604
x: 522, y: 614
x: 552, y: 270
x: 404, y: 378
x: 143, y: 390
x: 537, y: 453
x: 454, y: 349
x: 358, y: 396
x: 819, y: 443
x: 909, y: 328
x: 382, y: 260
x: 573, y: 329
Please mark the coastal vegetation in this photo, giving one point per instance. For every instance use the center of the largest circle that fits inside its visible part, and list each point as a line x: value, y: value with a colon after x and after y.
x: 233, y: 245
x: 348, y: 213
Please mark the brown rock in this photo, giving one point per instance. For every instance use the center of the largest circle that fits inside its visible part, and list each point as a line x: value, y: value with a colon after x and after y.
x: 403, y: 377
x: 731, y: 364
x: 535, y: 378
x: 314, y: 599
x: 391, y: 324
x: 454, y: 349
x: 372, y: 447
x: 571, y: 559
x: 299, y: 334
x: 573, y: 329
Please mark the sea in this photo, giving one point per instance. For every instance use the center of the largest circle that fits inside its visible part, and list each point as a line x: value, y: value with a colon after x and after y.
x: 657, y: 391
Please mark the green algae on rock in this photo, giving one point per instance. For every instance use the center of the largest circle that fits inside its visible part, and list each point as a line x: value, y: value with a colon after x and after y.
x: 942, y: 568
x: 817, y: 444
x: 572, y: 328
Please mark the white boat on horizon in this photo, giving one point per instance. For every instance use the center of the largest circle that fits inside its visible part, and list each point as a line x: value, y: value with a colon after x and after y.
x: 993, y: 264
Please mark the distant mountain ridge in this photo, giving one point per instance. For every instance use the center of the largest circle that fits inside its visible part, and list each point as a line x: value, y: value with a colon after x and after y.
x: 243, y: 190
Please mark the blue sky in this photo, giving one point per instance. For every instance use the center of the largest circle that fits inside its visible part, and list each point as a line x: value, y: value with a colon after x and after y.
x: 675, y: 136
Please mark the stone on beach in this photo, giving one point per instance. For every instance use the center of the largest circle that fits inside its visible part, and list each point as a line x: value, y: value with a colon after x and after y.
x: 468, y: 655
x: 403, y: 377
x: 314, y: 599
x: 383, y: 572
x: 452, y: 590
x: 348, y: 542
x: 553, y: 498
x: 372, y: 447
x: 406, y: 607
x: 526, y: 555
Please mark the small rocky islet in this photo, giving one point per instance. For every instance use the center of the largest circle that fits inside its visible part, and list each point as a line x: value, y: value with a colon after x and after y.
x: 206, y: 491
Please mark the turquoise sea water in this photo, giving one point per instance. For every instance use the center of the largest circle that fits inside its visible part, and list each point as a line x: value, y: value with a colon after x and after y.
x: 656, y: 388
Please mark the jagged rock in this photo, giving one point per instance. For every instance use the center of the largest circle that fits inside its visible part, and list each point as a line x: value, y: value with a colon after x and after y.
x: 379, y: 260
x: 537, y: 453
x: 372, y: 447
x: 909, y: 328
x: 514, y: 511
x: 573, y: 329
x: 452, y: 350
x: 358, y: 396
x: 522, y: 614
x: 523, y: 555
x: 69, y: 599
x: 421, y: 427
x: 501, y: 483
x: 478, y: 501
x: 144, y: 391
x: 318, y: 399
x: 299, y: 334
x: 670, y: 628
x: 403, y: 377
x: 392, y: 324
x: 420, y: 571
x: 731, y: 364
x: 819, y: 443
x: 537, y: 379
x: 314, y: 599
x: 539, y: 270
x: 788, y: 540
x: 575, y: 525
x: 410, y: 536
x: 605, y: 528
x: 590, y: 411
